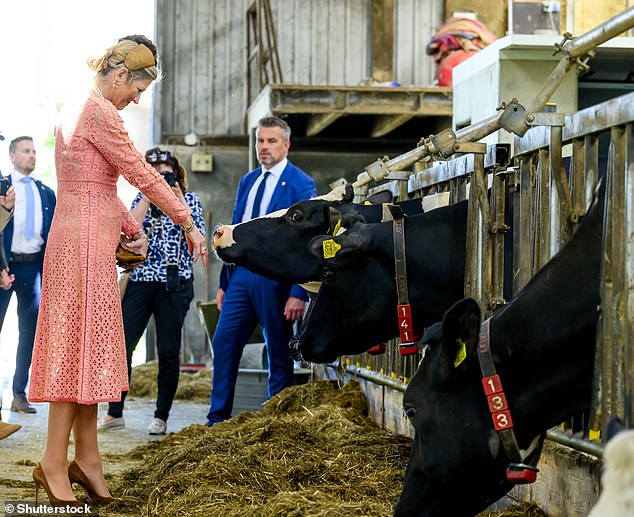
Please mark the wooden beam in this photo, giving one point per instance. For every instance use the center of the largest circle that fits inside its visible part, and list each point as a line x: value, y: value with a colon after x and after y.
x: 317, y: 123
x: 383, y: 40
x: 384, y: 124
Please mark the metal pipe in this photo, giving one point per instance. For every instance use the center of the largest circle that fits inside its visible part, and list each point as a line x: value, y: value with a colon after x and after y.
x: 554, y: 435
x: 563, y: 438
x: 607, y: 30
x: 376, y: 378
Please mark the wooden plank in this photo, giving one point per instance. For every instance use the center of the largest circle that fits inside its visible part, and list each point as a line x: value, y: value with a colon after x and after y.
x: 383, y: 40
x: 337, y: 50
x: 385, y: 124
x: 317, y: 123
x: 201, y: 101
x: 320, y: 48
x: 181, y: 72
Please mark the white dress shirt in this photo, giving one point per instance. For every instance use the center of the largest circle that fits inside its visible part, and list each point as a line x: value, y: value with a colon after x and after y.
x: 269, y: 188
x: 19, y: 243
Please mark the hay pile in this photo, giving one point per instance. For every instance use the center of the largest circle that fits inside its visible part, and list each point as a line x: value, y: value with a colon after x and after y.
x: 191, y: 386
x: 311, y: 451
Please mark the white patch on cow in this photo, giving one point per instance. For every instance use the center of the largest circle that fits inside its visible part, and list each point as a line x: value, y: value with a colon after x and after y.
x: 311, y: 287
x: 341, y: 230
x: 226, y: 239
x: 336, y: 194
x: 617, y: 497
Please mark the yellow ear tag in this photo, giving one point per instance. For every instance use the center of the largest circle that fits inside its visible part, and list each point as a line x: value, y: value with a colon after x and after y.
x: 594, y: 434
x: 330, y: 248
x: 462, y: 353
x: 337, y: 227
x: 367, y: 203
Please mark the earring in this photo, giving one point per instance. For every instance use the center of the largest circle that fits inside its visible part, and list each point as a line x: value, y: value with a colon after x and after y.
x: 115, y: 84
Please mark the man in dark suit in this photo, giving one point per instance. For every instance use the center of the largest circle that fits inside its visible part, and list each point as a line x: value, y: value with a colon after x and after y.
x: 24, y: 242
x: 245, y: 298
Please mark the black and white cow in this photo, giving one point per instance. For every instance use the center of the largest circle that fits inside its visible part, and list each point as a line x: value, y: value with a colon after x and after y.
x: 356, y: 306
x: 542, y: 344
x: 276, y: 245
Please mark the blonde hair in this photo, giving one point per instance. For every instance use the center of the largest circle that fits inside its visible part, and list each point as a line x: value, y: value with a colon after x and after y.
x: 115, y: 58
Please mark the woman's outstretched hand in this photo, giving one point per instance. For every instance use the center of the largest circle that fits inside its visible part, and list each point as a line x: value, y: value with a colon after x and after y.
x: 197, y: 245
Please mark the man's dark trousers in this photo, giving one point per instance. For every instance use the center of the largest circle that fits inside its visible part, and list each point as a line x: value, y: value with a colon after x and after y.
x: 28, y: 288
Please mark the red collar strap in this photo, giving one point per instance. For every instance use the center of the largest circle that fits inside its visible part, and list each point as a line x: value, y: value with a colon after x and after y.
x: 408, y: 335
x: 517, y: 471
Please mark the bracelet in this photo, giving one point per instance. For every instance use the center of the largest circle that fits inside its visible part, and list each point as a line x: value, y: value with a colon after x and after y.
x: 188, y: 227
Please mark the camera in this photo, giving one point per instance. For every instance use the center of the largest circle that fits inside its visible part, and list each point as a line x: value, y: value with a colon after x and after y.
x: 4, y: 186
x: 170, y: 178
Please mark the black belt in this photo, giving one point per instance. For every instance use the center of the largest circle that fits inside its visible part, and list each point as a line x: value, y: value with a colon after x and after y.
x: 26, y: 257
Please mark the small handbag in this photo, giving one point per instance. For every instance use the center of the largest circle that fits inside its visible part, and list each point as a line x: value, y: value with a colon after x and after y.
x: 127, y: 259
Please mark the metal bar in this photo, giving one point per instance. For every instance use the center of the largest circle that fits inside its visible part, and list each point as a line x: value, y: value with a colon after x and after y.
x: 619, y: 289
x: 524, y: 228
x: 497, y: 240
x: 581, y: 45
x: 563, y: 438
x: 628, y: 274
x: 558, y: 174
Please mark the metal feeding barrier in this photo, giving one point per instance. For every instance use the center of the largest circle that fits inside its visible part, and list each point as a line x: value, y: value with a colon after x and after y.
x: 544, y: 218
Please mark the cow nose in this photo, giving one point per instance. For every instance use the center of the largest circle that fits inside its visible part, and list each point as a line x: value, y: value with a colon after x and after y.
x: 218, y: 232
x: 294, y: 345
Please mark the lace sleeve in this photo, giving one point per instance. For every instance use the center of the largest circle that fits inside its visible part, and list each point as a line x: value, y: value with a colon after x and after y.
x: 129, y: 226
x: 107, y: 133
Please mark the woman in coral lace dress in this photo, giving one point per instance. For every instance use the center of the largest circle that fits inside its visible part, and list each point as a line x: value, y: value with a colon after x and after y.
x: 79, y: 357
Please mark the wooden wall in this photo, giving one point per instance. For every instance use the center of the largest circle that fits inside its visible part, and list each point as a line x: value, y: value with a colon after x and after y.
x: 320, y: 42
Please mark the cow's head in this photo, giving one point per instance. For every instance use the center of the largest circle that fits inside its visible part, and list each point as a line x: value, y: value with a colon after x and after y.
x: 275, y: 245
x: 457, y: 465
x: 356, y: 306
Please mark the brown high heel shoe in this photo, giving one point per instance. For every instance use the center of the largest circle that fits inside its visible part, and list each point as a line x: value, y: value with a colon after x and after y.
x: 76, y: 475
x: 40, y: 481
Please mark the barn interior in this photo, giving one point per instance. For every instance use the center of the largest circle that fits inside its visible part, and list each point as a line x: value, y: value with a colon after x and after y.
x: 354, y: 81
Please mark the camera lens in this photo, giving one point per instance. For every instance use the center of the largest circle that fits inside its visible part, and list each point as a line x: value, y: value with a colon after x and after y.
x: 170, y: 178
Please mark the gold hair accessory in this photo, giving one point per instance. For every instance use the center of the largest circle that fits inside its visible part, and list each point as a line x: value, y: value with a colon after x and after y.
x: 139, y: 57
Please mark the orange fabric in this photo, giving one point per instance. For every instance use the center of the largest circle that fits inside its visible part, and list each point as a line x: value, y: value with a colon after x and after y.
x: 79, y: 352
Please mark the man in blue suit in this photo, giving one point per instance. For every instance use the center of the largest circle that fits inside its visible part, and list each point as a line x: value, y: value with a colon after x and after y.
x: 24, y: 242
x: 245, y: 298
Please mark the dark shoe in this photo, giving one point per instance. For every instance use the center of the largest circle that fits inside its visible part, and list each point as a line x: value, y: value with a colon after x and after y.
x: 7, y: 429
x: 21, y: 405
x: 76, y: 475
x: 40, y: 481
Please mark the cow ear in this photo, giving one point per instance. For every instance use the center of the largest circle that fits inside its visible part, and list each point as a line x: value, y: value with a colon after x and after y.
x: 461, y: 333
x: 383, y: 196
x: 342, y: 249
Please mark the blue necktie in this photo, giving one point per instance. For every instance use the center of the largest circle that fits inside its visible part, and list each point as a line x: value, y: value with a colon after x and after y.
x: 29, y: 221
x: 255, y: 212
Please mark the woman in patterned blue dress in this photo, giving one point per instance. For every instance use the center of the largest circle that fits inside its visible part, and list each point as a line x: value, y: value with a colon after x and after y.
x: 162, y: 286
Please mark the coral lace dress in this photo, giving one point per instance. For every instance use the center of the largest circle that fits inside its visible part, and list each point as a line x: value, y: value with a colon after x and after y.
x: 79, y: 353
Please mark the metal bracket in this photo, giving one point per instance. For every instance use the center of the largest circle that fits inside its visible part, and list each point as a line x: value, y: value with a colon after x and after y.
x: 398, y: 175
x: 546, y: 119
x: 471, y: 147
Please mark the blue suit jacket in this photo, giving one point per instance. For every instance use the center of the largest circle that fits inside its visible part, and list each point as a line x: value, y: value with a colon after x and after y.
x: 48, y: 207
x: 294, y: 185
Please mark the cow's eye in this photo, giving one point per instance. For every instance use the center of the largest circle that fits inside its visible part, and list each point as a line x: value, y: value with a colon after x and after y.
x: 295, y: 217
x: 411, y: 413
